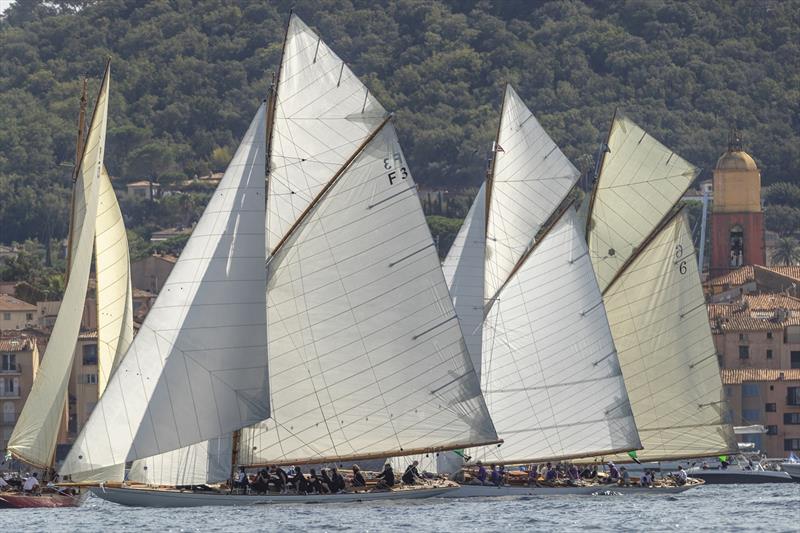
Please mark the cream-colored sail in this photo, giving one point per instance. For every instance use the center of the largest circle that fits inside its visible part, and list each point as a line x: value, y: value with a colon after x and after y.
x: 463, y: 271
x: 34, y: 437
x: 550, y: 373
x: 658, y: 318
x: 531, y: 178
x: 366, y: 356
x: 114, y: 293
x: 205, y: 462
x: 196, y: 370
x: 323, y: 113
x: 640, y: 180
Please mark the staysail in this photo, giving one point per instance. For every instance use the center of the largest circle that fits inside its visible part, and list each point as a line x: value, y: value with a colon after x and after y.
x: 550, y: 373
x: 464, y: 271
x: 114, y: 292
x: 196, y: 370
x: 366, y: 356
x: 530, y: 178
x: 34, y: 437
x: 323, y: 113
x: 205, y: 462
x: 658, y: 317
x: 639, y: 182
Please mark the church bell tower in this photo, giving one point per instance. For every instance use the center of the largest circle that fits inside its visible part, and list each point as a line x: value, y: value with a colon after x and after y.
x: 737, y: 221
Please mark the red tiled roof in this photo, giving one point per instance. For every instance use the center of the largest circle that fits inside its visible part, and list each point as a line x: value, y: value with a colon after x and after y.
x: 746, y: 323
x: 737, y: 277
x: 769, y: 302
x: 721, y: 310
x: 735, y: 376
x: 16, y: 344
x: 9, y: 303
x: 790, y: 271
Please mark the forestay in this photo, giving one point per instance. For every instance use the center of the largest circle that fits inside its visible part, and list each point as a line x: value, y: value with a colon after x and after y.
x: 464, y: 270
x: 323, y: 113
x: 640, y: 180
x: 365, y: 352
x: 196, y: 370
x: 531, y: 178
x: 658, y: 318
x: 34, y: 437
x: 550, y: 374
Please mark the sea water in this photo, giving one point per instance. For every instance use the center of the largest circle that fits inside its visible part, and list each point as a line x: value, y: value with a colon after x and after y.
x: 773, y: 508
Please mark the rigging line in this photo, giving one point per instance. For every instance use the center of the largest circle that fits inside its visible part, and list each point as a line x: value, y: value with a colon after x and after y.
x: 323, y: 192
x: 493, y: 160
x: 379, y: 202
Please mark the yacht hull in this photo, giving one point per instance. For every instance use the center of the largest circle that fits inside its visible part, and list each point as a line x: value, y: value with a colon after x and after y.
x: 136, y: 497
x: 793, y: 469
x: 25, y: 501
x: 478, y: 491
x: 731, y: 476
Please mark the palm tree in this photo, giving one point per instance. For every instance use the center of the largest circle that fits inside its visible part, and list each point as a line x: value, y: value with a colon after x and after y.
x: 787, y: 252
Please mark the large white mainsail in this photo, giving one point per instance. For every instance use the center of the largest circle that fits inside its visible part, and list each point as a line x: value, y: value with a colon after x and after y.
x: 365, y: 352
x: 530, y: 178
x: 640, y: 180
x: 464, y: 271
x: 658, y: 317
x: 34, y: 437
x: 323, y: 113
x: 196, y: 370
x: 550, y: 373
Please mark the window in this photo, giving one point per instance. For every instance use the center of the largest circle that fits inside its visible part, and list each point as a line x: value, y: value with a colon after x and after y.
x: 6, y: 316
x: 751, y: 416
x: 9, y: 413
x: 749, y: 390
x: 793, y: 395
x: 795, y: 360
x: 769, y: 354
x: 769, y: 334
x: 772, y: 430
x: 89, y: 354
x: 770, y: 408
x: 791, y: 445
x: 8, y: 362
x: 88, y: 379
x: 741, y: 336
x: 791, y: 418
x: 744, y: 352
x: 737, y: 246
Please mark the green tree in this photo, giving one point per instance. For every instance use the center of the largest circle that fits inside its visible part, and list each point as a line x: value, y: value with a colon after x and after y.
x: 782, y: 219
x: 787, y: 251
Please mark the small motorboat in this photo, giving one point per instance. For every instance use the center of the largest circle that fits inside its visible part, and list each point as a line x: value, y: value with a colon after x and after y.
x: 20, y: 500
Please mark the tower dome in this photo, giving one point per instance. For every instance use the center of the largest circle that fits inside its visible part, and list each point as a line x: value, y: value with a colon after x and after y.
x: 736, y: 160
x: 737, y: 180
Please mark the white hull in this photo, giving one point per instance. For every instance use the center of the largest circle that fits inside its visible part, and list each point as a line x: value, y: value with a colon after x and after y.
x: 735, y: 475
x: 135, y: 497
x: 793, y: 469
x: 478, y: 491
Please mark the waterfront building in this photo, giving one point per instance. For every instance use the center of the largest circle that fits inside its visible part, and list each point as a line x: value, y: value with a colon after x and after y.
x: 19, y: 363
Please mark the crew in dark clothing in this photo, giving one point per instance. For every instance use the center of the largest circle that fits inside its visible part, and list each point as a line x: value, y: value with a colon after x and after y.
x: 358, y: 478
x: 299, y: 481
x: 327, y: 483
x: 386, y: 478
x: 261, y: 483
x: 315, y: 483
x: 279, y: 479
x: 337, y: 481
x: 411, y: 474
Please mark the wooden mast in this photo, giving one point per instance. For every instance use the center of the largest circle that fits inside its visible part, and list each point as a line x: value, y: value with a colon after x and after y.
x: 492, y: 160
x: 80, y: 141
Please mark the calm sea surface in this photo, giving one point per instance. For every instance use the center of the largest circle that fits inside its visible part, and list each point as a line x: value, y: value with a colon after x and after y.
x: 772, y: 508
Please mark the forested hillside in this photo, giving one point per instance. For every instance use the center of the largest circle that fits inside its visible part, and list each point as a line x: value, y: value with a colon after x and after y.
x: 187, y: 75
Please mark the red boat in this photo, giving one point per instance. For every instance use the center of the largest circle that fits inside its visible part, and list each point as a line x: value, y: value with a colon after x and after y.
x: 18, y: 500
